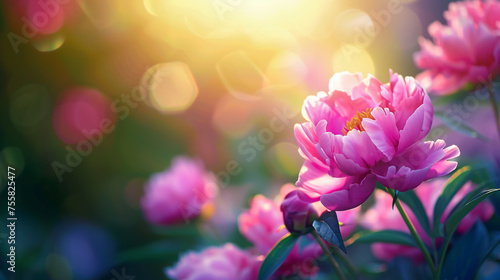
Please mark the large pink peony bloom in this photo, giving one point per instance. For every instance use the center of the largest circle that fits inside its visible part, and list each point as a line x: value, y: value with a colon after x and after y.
x: 467, y: 49
x: 381, y: 217
x: 178, y: 193
x: 216, y: 263
x: 363, y: 131
x: 263, y: 225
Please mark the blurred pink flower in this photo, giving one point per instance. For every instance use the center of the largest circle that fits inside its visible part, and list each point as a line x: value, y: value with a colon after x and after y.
x: 263, y: 225
x: 382, y: 217
x: 75, y: 102
x: 363, y: 131
x: 216, y: 263
x: 42, y: 17
x: 178, y: 193
x: 467, y: 49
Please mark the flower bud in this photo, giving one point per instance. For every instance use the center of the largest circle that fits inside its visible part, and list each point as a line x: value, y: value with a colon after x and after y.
x: 298, y: 215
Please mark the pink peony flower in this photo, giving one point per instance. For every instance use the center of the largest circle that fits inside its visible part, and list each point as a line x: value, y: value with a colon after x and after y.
x: 382, y: 217
x: 467, y: 49
x: 216, y: 263
x: 363, y: 131
x: 178, y: 193
x: 263, y: 225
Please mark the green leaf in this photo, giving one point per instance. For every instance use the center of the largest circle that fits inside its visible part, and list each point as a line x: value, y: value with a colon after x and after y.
x: 453, y: 185
x: 468, y: 197
x: 460, y: 127
x: 395, y: 198
x: 456, y: 217
x: 411, y: 200
x: 477, y: 246
x: 277, y: 256
x: 327, y: 227
x: 373, y: 269
x: 387, y: 236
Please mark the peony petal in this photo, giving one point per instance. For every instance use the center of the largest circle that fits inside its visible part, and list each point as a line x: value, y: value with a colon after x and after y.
x: 358, y: 147
x: 443, y: 166
x: 352, y: 195
x: 345, y: 81
x: 315, y: 181
x: 403, y: 179
x: 306, y: 137
x: 415, y: 127
x: 348, y: 166
x: 456, y: 48
x: 383, y: 131
x: 316, y: 108
x: 351, y: 153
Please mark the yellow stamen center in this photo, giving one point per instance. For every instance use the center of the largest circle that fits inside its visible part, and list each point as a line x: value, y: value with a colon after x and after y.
x: 355, y: 122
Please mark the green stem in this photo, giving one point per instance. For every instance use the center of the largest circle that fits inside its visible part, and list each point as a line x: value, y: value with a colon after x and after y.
x: 335, y: 265
x: 495, y: 107
x: 352, y: 269
x: 443, y: 255
x: 434, y: 251
x: 415, y: 235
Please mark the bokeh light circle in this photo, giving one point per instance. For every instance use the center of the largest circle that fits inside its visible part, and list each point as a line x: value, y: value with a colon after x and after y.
x: 241, y: 76
x: 354, y: 27
x: 50, y: 42
x: 172, y: 87
x: 285, y: 69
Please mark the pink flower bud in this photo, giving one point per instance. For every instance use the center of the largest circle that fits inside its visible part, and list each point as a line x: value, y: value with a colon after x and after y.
x: 298, y: 215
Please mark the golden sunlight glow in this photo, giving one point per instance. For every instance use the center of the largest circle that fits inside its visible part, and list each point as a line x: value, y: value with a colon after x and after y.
x: 316, y: 19
x: 353, y: 59
x: 172, y: 88
x: 241, y: 76
x: 232, y: 116
x: 285, y: 69
x: 354, y: 27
